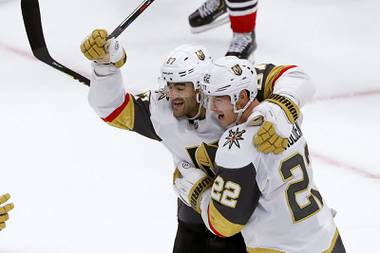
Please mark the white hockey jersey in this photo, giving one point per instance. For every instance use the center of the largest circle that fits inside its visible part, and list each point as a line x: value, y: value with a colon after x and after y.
x: 271, y: 199
x: 150, y: 115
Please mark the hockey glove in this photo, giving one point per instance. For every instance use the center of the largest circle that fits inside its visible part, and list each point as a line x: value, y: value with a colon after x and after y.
x: 97, y: 48
x: 191, y: 185
x: 276, y: 115
x: 4, y: 209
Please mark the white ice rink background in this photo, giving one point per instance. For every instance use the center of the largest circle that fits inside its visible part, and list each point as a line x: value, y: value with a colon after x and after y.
x: 80, y: 186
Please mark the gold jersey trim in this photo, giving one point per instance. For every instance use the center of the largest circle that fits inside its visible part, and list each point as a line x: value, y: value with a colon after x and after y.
x: 220, y: 224
x: 333, y: 242
x: 265, y: 250
x: 262, y: 250
x: 126, y: 115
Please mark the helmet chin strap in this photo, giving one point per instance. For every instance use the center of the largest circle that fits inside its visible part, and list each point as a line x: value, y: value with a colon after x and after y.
x: 199, y: 99
x: 240, y: 111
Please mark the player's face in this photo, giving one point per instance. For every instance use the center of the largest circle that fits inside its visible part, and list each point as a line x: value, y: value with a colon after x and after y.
x: 182, y: 97
x: 223, y: 109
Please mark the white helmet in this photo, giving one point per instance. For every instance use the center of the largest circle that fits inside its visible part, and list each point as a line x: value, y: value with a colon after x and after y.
x: 230, y: 75
x: 186, y: 63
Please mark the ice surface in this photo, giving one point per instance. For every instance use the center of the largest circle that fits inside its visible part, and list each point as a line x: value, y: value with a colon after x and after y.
x: 80, y: 186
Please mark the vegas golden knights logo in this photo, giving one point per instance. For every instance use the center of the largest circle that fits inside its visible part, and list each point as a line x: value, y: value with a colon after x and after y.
x: 201, y: 55
x: 203, y: 157
x: 170, y: 61
x: 237, y: 70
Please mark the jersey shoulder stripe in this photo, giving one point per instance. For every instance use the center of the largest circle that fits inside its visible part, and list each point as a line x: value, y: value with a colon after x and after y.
x: 134, y: 114
x: 123, y: 116
x: 273, y: 76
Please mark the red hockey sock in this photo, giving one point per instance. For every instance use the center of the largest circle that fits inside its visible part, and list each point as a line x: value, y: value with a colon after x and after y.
x: 243, y: 24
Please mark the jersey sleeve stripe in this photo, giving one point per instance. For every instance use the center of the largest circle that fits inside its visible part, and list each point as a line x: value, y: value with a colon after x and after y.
x: 123, y: 116
x: 281, y: 73
x: 118, y: 110
x: 219, y: 224
x: 273, y: 76
x: 210, y: 223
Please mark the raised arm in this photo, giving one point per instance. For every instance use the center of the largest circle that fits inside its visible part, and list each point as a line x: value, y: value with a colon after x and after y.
x: 107, y: 95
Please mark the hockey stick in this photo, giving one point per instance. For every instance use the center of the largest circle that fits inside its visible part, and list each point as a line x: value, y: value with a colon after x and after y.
x: 33, y: 26
x: 118, y: 30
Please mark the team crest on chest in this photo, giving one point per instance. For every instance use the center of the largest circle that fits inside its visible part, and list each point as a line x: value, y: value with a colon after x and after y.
x: 203, y: 156
x: 234, y: 137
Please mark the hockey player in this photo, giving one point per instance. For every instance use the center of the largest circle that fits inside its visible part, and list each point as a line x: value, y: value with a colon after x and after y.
x: 242, y: 16
x: 175, y: 117
x: 270, y: 198
x: 4, y: 209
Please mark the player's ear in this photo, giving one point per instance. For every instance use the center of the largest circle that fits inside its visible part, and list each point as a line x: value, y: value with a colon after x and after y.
x: 243, y: 98
x: 243, y: 95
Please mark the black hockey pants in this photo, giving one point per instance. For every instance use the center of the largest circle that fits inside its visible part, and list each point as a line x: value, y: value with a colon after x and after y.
x: 195, y: 238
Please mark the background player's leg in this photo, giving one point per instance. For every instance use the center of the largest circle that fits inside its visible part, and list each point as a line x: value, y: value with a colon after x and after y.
x: 211, y: 14
x: 243, y: 23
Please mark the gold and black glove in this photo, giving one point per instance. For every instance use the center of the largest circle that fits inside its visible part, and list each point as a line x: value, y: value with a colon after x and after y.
x: 276, y: 116
x: 97, y: 48
x: 267, y: 140
x: 4, y: 209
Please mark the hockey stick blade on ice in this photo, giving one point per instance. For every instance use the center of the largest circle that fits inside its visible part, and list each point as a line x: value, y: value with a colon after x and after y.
x: 33, y: 26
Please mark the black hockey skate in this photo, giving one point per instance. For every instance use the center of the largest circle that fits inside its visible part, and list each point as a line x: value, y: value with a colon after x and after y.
x: 211, y: 14
x: 243, y: 45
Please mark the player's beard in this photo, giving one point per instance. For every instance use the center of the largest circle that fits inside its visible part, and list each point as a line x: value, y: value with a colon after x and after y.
x: 184, y: 107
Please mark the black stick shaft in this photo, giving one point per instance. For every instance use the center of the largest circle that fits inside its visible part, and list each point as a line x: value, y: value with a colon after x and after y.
x: 33, y: 25
x: 140, y: 9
